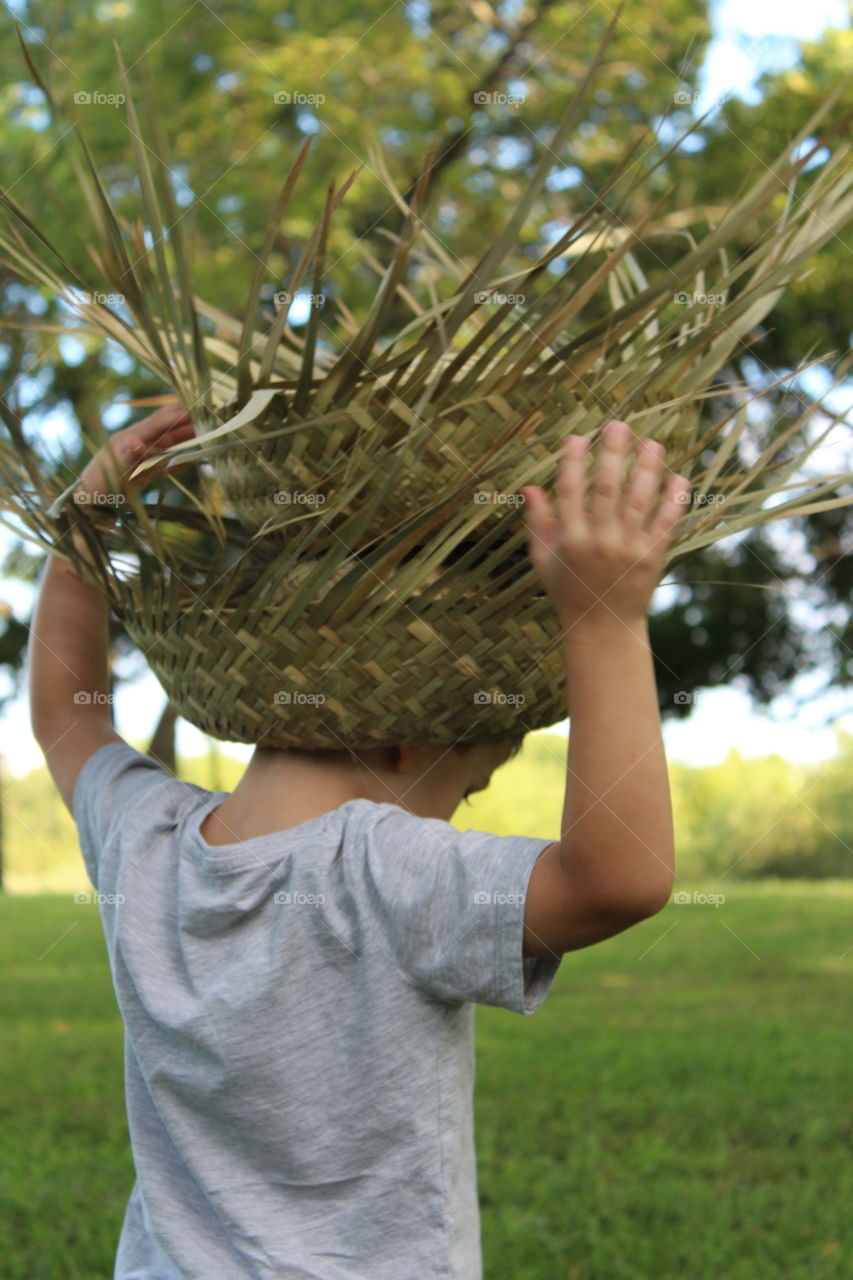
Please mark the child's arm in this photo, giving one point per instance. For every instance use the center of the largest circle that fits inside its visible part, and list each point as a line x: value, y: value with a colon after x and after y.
x: 69, y: 674
x: 614, y: 863
x: 68, y: 653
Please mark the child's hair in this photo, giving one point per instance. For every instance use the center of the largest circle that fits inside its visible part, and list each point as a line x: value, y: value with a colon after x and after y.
x: 330, y: 753
x: 518, y: 739
x: 463, y: 747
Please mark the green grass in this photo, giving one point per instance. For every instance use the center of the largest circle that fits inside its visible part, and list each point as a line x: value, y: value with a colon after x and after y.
x: 679, y: 1107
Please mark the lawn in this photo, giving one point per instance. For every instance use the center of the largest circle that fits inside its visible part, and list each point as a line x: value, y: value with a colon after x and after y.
x: 679, y: 1107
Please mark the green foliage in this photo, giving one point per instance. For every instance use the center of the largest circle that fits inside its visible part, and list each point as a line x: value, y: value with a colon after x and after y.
x: 765, y: 817
x: 721, y: 626
x: 810, y: 315
x: 216, y: 82
x: 678, y: 1107
x: 741, y: 819
x: 525, y: 797
x: 727, y: 814
x: 42, y: 852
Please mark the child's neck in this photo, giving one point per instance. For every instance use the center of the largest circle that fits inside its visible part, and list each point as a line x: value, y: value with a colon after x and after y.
x: 280, y: 790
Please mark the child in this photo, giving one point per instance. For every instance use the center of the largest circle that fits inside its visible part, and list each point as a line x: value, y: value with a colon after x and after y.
x: 297, y: 963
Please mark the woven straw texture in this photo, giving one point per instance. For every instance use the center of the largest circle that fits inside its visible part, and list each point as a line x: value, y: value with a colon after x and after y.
x: 349, y: 567
x: 439, y: 681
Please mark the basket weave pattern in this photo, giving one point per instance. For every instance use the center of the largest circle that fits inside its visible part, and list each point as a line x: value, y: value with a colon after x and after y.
x: 331, y: 686
x: 351, y: 568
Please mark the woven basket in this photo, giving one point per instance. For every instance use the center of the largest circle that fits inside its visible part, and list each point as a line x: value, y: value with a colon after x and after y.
x: 459, y: 447
x: 418, y: 675
x: 350, y: 568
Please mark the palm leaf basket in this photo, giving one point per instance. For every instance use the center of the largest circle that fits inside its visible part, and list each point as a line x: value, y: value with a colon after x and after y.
x: 351, y: 569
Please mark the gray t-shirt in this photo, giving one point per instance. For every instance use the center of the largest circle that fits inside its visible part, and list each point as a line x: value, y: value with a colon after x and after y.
x: 299, y: 1057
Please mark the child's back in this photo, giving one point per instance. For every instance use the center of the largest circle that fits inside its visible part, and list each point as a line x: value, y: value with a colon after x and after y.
x: 299, y: 1051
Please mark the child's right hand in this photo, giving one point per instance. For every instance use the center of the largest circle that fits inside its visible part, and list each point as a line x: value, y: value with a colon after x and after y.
x: 607, y: 558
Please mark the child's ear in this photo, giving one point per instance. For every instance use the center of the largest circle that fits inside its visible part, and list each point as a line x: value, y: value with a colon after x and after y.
x: 401, y: 758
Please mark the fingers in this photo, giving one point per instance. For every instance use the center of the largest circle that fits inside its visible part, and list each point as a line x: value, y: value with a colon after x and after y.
x: 571, y: 486
x: 673, y: 505
x: 609, y: 473
x: 541, y: 525
x: 141, y: 447
x: 146, y: 446
x: 168, y: 412
x: 173, y: 435
x: 644, y: 487
x: 632, y: 511
x: 160, y: 420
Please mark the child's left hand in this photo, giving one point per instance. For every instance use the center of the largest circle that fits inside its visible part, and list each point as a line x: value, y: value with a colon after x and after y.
x: 103, y: 481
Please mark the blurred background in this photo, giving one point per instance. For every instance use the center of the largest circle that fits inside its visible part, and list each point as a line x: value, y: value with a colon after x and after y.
x: 680, y: 1106
x: 753, y: 636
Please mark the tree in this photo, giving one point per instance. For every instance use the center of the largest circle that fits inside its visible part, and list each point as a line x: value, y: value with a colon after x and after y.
x: 242, y: 92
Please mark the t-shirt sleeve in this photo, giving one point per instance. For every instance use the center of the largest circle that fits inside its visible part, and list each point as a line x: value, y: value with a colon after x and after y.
x: 451, y: 907
x: 112, y: 781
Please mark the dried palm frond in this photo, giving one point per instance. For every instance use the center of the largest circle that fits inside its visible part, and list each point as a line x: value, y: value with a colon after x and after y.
x: 354, y: 572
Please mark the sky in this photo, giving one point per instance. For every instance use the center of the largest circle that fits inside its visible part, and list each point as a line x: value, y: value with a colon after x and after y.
x: 749, y: 36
